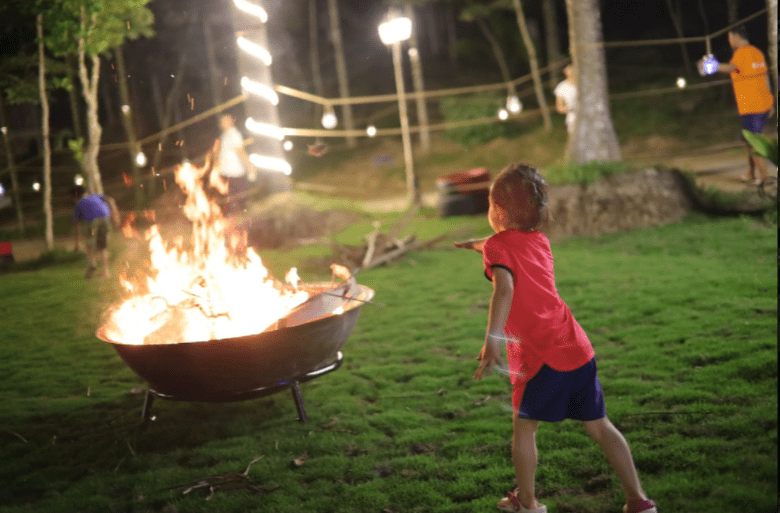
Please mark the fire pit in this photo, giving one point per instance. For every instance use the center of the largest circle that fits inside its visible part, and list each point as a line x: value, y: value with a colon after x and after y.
x: 235, y: 369
x: 204, y: 320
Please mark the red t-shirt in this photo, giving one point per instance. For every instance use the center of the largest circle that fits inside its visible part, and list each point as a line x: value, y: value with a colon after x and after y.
x: 539, y: 319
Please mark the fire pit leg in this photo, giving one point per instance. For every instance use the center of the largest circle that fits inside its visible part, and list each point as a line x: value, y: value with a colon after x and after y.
x: 296, y: 392
x: 147, y: 405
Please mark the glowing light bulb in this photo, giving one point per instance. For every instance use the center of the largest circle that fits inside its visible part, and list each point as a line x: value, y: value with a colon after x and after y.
x: 78, y: 180
x: 513, y: 104
x: 329, y: 119
x: 709, y: 65
x: 125, y: 109
x: 371, y: 130
x: 681, y: 83
x: 2, y: 190
x: 270, y: 163
x: 264, y: 129
x: 252, y: 8
x: 259, y: 89
x: 413, y: 53
x: 254, y: 50
x: 36, y: 186
x: 288, y: 145
x: 503, y: 114
x: 140, y: 159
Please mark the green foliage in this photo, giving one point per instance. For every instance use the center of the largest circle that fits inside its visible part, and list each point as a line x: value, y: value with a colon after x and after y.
x: 76, y: 147
x: 106, y: 24
x: 762, y: 145
x: 587, y: 173
x: 476, y: 106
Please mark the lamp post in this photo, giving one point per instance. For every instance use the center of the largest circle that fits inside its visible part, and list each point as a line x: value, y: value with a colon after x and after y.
x: 393, y: 32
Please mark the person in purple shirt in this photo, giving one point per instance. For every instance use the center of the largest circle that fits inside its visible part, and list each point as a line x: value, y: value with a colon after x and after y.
x: 93, y: 212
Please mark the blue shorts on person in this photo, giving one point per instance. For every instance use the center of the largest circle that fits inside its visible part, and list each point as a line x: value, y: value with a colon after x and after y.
x: 754, y: 122
x: 553, y: 396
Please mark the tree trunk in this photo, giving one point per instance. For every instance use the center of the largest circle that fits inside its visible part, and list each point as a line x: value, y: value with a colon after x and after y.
x: 733, y: 10
x: 208, y: 42
x: 412, y: 185
x: 127, y: 120
x: 314, y: 57
x: 89, y: 87
x: 419, y: 86
x: 452, y: 34
x: 678, y: 28
x: 341, y: 68
x: 498, y: 53
x: 11, y: 166
x: 164, y: 114
x: 73, y: 97
x: 594, y: 136
x: 772, y: 43
x: 45, y: 131
x: 552, y: 39
x: 529, y: 47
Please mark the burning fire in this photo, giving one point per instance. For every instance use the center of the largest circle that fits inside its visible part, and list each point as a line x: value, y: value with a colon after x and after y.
x: 210, y: 287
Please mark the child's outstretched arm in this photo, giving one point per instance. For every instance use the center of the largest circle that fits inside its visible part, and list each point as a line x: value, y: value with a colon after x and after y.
x: 475, y: 244
x: 495, y: 338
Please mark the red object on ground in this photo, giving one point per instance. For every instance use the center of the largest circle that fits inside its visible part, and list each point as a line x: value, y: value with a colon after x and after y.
x: 466, y: 182
x: 5, y: 248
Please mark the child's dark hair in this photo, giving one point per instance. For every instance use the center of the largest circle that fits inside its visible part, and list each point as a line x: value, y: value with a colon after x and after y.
x: 741, y: 31
x: 521, y: 191
x: 77, y: 191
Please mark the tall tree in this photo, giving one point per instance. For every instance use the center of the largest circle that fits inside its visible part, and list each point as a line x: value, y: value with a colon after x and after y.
x: 90, y: 28
x: 417, y: 80
x: 594, y: 136
x: 314, y: 54
x: 532, y: 60
x: 133, y: 147
x: 45, y: 132
x: 551, y: 38
x: 341, y: 67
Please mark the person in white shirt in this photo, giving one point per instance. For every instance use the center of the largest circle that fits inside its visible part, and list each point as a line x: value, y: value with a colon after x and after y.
x: 234, y: 165
x: 566, y: 98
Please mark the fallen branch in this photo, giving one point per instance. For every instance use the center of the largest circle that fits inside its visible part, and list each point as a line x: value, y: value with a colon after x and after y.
x: 387, y: 257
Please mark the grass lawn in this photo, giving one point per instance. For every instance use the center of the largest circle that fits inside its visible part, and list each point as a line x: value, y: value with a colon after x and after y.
x: 683, y: 319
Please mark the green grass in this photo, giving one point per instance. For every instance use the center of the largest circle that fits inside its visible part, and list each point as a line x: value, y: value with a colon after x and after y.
x: 683, y: 319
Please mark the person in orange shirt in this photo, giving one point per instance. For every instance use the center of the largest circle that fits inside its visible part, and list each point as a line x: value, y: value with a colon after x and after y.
x: 755, y: 102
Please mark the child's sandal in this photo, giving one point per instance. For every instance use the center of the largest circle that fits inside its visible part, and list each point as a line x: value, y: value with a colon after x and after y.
x: 511, y: 504
x: 640, y: 507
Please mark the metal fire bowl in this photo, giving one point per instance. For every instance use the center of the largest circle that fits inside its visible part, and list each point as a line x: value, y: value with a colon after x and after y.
x: 241, y: 368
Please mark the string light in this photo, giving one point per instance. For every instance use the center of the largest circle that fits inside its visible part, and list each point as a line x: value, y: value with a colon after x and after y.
x: 681, y: 83
x: 36, y: 186
x: 78, y: 180
x: 371, y: 130
x: 255, y: 50
x: 503, y: 115
x: 259, y: 89
x: 329, y: 119
x: 270, y: 163
x: 253, y: 9
x: 140, y: 159
x: 264, y: 129
x: 288, y: 145
x: 513, y: 104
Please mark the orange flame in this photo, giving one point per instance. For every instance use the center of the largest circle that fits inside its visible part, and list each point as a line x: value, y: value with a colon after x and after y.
x: 211, y: 286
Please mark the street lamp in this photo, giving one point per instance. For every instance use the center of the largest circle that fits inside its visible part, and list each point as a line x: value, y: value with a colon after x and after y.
x: 393, y: 32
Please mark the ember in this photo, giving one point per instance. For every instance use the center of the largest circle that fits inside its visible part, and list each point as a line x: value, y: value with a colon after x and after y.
x: 209, y: 287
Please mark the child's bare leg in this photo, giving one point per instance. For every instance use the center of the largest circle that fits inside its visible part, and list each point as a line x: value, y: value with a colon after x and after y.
x: 618, y: 454
x: 760, y: 164
x: 524, y: 457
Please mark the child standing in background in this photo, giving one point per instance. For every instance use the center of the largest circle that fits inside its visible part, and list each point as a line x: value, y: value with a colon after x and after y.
x: 551, y: 361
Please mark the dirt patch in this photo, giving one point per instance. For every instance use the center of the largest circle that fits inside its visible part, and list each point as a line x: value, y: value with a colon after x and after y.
x: 281, y: 219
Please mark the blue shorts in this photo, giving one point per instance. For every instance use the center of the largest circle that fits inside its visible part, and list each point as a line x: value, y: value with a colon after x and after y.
x: 754, y: 122
x: 553, y: 396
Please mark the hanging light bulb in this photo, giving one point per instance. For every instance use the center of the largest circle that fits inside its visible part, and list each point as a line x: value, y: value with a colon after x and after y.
x: 329, y: 119
x: 503, y: 115
x: 513, y: 104
x: 78, y: 180
x: 140, y: 159
x: 709, y: 65
x: 371, y: 130
x: 288, y: 145
x: 681, y: 83
x: 36, y: 186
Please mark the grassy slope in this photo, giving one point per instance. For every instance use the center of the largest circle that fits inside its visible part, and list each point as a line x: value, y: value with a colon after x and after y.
x: 683, y: 319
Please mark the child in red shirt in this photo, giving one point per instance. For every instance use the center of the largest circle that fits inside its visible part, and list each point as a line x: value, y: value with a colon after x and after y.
x: 550, y: 359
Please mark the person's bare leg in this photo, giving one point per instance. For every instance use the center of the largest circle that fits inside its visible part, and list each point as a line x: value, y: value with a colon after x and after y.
x: 618, y: 454
x: 760, y: 164
x: 524, y: 457
x: 104, y: 256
